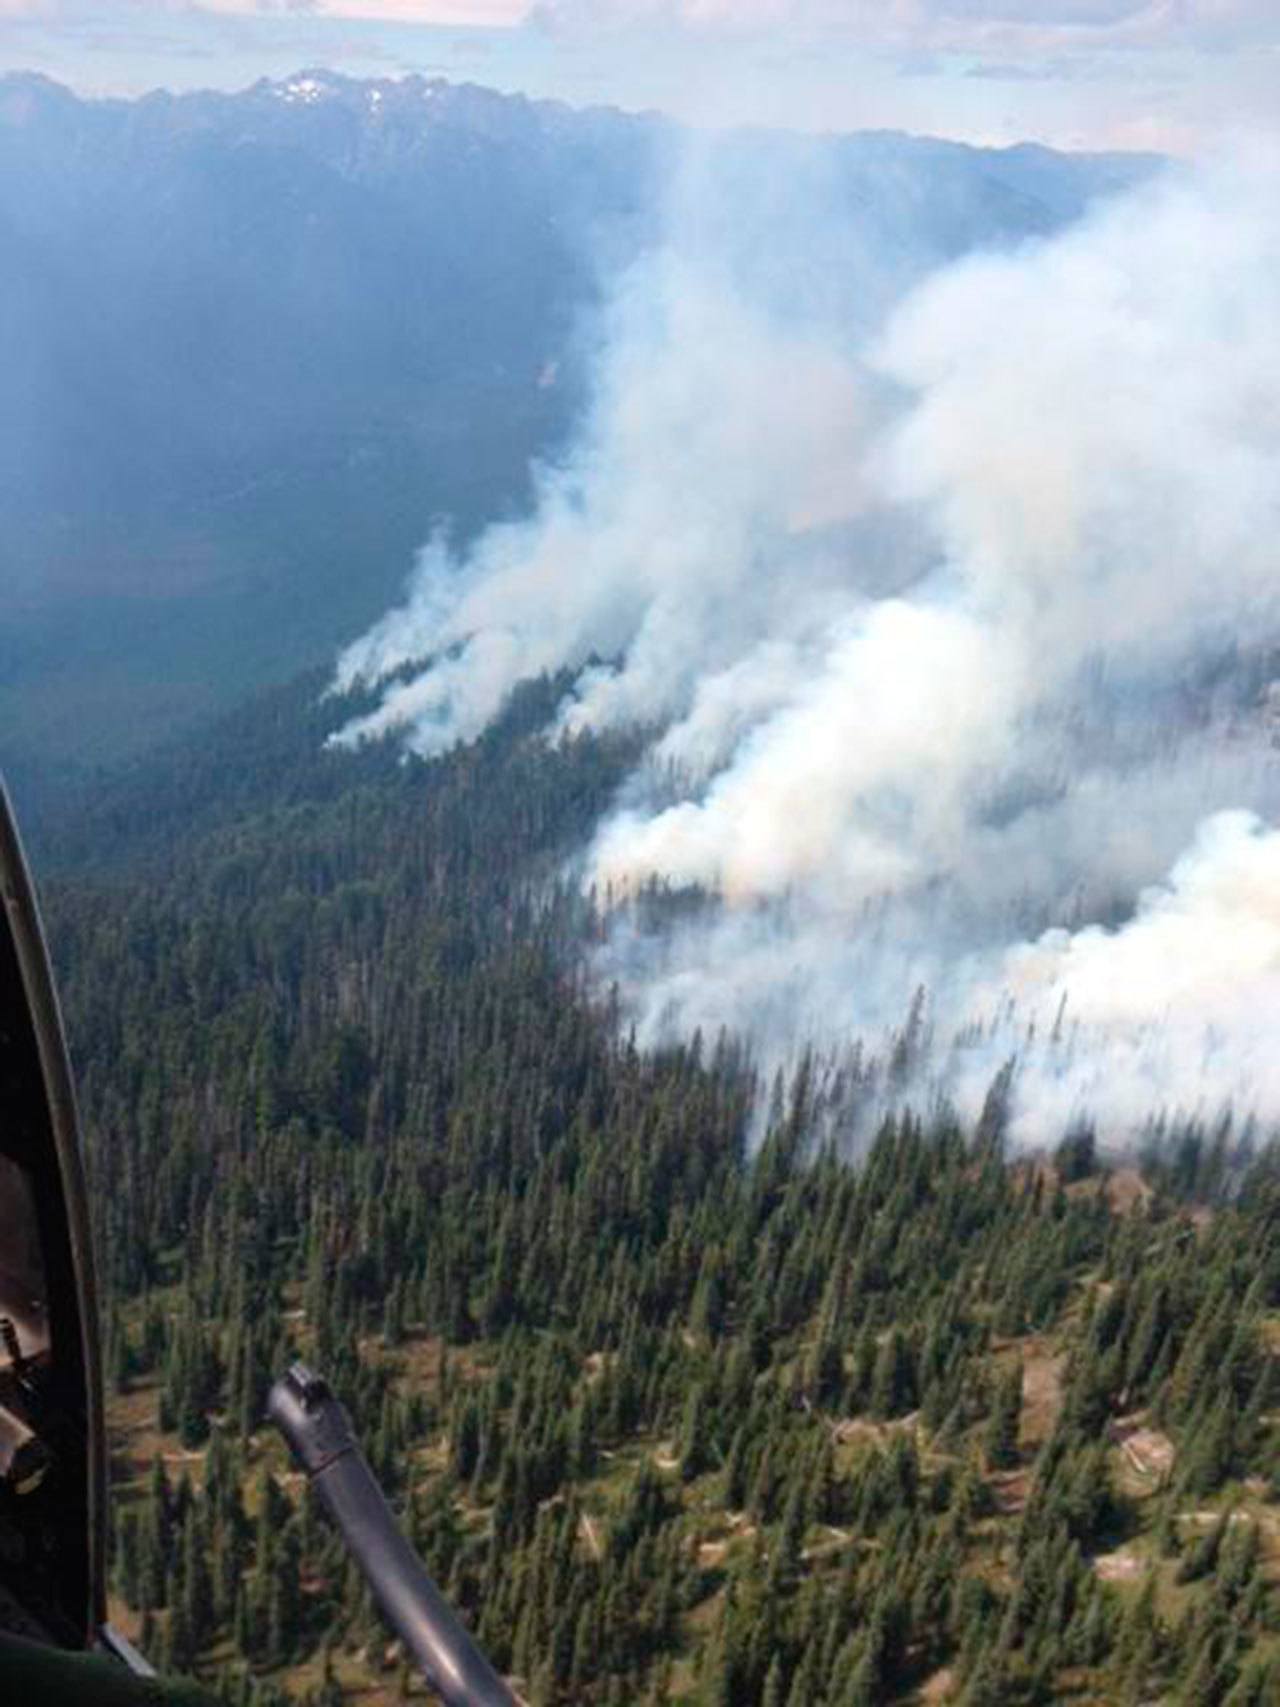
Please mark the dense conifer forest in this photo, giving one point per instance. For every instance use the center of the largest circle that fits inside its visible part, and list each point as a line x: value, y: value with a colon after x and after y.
x: 671, y: 1416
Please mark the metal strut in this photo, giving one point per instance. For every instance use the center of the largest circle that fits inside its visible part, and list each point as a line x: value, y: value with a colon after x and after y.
x: 320, y: 1437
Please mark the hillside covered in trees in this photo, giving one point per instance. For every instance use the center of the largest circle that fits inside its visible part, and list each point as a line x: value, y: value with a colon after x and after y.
x: 256, y: 345
x: 670, y: 1416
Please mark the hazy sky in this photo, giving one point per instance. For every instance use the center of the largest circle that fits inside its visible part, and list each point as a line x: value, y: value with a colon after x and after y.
x: 1162, y: 73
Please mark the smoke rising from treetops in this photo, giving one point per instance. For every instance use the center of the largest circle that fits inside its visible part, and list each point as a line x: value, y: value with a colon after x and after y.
x: 948, y: 607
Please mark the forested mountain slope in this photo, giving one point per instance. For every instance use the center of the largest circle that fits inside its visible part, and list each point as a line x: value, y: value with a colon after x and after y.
x: 254, y: 345
x: 671, y: 1421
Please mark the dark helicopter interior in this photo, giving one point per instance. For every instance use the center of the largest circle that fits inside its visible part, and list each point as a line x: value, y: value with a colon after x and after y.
x: 25, y: 1346
x: 25, y: 1358
x: 49, y: 1583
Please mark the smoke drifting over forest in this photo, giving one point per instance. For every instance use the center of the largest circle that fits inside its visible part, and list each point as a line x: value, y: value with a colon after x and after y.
x: 947, y: 607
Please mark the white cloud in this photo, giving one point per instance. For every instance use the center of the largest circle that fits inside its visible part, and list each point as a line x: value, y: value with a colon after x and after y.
x: 463, y: 14
x: 455, y: 13
x: 939, y: 25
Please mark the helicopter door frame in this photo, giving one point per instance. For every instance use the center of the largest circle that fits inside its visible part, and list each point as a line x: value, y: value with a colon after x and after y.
x: 57, y: 1167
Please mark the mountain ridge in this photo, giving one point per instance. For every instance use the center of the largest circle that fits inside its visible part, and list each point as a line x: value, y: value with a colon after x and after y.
x: 256, y: 344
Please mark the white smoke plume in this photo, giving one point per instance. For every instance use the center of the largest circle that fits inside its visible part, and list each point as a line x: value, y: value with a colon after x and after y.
x: 950, y: 629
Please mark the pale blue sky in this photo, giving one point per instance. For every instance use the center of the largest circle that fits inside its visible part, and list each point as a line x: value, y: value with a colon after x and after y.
x: 1140, y: 73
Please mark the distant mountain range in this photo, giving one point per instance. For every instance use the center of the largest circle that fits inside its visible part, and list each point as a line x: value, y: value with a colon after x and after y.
x: 253, y: 344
